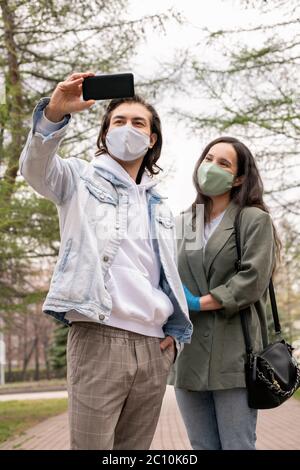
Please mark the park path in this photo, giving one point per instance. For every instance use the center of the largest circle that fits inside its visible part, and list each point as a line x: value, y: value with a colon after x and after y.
x: 278, y: 429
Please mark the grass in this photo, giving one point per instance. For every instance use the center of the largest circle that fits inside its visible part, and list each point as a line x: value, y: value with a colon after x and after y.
x: 297, y: 394
x: 40, y: 385
x: 18, y: 415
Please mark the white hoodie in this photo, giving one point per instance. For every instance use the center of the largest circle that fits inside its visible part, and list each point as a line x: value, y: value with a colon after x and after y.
x: 138, y: 303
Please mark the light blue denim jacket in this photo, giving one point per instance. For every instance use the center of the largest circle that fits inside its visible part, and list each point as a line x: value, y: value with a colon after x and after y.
x: 78, y: 281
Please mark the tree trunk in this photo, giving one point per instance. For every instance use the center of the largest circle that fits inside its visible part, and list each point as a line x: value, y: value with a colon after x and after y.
x: 24, y: 359
x: 46, y: 359
x: 27, y: 358
x: 37, y: 361
x: 9, y: 357
x: 14, y: 99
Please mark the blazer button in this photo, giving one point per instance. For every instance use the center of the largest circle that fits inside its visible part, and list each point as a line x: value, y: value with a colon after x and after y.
x: 105, y: 258
x: 101, y: 316
x: 206, y: 334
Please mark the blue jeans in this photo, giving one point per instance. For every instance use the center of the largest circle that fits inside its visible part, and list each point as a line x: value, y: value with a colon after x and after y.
x: 219, y: 419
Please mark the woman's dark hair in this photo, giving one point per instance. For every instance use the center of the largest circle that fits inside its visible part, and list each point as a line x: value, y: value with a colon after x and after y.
x: 249, y: 193
x: 153, y: 154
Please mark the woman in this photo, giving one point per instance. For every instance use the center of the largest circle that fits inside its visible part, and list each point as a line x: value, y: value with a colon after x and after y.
x: 209, y: 375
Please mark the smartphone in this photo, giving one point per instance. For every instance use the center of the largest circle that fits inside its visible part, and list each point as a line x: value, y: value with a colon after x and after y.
x: 103, y: 87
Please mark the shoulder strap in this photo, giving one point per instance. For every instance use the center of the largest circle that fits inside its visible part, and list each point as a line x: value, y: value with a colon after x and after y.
x: 275, y: 314
x: 244, y: 312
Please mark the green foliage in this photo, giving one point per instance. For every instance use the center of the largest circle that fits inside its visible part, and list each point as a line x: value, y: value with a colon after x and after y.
x: 247, y: 85
x: 28, y: 232
x: 49, y: 41
x: 253, y: 86
x: 58, y: 349
x: 41, y: 44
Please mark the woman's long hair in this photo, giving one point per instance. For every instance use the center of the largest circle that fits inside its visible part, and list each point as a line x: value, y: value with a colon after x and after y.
x: 249, y: 193
x: 153, y: 154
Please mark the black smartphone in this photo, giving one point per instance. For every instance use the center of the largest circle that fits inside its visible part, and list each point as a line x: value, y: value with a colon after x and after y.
x: 103, y: 87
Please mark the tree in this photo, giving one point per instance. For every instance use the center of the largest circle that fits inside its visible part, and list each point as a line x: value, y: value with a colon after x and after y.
x: 248, y: 85
x: 287, y: 284
x: 58, y: 350
x: 41, y: 43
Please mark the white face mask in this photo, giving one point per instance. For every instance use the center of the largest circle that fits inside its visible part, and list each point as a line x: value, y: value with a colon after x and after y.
x: 127, y: 143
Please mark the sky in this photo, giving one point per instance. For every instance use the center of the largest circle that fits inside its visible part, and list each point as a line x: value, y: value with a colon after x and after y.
x: 181, y: 147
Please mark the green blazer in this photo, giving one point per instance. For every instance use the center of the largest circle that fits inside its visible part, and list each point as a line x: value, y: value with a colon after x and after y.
x: 215, y: 358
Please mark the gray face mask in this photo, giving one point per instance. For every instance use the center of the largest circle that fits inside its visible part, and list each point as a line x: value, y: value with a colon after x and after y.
x: 127, y: 143
x: 214, y: 180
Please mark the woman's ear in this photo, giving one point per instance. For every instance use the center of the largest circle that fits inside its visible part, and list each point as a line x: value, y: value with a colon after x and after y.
x: 153, y: 139
x: 238, y: 181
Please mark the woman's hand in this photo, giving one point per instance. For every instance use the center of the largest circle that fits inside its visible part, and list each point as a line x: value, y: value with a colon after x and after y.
x: 192, y: 301
x: 66, y: 97
x: 208, y: 302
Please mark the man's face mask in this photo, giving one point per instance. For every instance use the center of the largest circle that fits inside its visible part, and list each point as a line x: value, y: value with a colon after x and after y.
x: 127, y: 143
x: 214, y: 180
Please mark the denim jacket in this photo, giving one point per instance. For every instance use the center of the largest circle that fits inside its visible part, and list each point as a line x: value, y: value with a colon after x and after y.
x: 91, y: 229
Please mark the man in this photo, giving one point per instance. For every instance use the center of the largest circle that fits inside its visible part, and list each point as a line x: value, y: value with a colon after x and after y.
x: 115, y: 281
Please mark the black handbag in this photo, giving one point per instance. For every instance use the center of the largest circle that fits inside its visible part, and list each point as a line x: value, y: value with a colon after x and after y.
x: 273, y: 375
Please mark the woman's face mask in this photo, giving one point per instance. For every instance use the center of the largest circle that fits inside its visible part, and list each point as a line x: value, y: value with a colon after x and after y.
x: 127, y: 143
x: 214, y: 180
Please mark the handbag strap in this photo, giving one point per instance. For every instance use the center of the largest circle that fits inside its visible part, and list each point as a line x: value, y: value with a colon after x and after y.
x: 244, y: 312
x: 275, y: 314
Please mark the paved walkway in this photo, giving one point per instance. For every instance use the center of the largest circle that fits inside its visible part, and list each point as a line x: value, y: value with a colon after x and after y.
x: 34, y: 395
x: 278, y: 429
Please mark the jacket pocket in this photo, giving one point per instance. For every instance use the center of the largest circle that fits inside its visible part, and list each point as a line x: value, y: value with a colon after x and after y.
x: 165, y: 222
x: 99, y: 193
x: 166, y: 234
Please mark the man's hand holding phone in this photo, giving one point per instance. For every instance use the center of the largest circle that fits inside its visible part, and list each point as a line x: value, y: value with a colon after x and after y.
x: 66, y: 98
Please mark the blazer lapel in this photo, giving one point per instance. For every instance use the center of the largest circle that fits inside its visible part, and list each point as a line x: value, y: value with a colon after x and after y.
x: 219, y: 237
